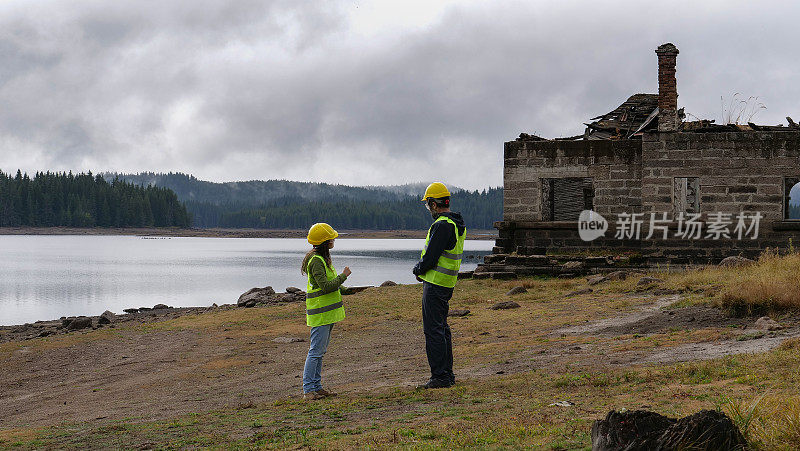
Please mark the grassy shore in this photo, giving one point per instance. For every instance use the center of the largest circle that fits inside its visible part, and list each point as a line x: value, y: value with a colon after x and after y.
x: 227, y: 384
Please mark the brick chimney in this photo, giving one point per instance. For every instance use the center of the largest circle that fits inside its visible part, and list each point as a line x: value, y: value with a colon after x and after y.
x: 667, y: 88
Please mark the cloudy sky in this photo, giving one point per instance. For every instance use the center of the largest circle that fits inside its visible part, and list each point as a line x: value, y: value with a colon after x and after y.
x: 360, y: 92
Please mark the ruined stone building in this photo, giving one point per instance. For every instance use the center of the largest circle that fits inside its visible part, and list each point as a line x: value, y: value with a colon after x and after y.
x: 642, y: 159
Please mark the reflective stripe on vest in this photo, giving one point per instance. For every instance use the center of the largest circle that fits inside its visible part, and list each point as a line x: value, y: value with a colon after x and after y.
x: 322, y: 308
x: 325, y: 309
x: 449, y: 272
x: 446, y: 271
x: 446, y: 254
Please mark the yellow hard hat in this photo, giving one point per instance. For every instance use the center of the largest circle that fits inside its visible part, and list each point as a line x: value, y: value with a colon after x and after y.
x: 436, y: 190
x: 320, y: 233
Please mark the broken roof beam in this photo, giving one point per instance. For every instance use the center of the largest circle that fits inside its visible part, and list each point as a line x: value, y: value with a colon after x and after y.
x: 569, y: 138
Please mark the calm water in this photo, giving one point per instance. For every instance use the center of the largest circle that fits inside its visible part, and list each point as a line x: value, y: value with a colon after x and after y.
x: 46, y: 277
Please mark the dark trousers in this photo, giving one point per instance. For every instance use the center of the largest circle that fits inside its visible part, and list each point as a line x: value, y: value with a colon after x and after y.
x: 438, y: 344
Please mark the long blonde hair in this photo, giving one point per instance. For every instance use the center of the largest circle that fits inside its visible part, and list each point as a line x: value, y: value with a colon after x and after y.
x: 323, y: 250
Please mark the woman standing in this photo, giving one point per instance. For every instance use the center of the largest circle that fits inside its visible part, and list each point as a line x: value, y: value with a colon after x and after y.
x: 323, y: 304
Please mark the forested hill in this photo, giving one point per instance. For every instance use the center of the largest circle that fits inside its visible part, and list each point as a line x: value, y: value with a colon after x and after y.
x: 83, y: 200
x: 282, y: 204
x: 255, y: 192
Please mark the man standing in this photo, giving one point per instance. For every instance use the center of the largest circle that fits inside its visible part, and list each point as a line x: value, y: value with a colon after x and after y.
x: 438, y: 271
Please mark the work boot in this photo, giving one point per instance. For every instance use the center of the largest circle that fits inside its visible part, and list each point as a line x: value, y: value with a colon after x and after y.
x: 312, y: 395
x: 324, y: 392
x: 435, y: 383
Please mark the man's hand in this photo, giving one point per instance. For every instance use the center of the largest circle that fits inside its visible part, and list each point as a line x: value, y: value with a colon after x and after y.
x: 347, y: 271
x: 418, y: 279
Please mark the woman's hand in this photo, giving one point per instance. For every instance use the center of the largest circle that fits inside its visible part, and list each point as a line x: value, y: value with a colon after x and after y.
x: 347, y: 271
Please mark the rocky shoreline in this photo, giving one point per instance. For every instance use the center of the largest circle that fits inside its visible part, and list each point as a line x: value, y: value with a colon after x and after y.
x: 255, y: 297
x: 79, y: 324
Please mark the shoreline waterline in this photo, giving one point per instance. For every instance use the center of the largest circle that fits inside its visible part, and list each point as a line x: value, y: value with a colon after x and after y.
x: 50, y: 276
x: 229, y: 233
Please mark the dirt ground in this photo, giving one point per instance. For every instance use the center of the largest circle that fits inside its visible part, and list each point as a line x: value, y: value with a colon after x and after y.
x: 227, y: 357
x: 149, y: 373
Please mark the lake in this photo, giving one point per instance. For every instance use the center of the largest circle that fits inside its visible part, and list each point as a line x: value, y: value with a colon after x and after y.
x: 46, y: 277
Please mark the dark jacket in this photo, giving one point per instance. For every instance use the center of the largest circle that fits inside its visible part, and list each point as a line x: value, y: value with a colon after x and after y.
x: 443, y: 237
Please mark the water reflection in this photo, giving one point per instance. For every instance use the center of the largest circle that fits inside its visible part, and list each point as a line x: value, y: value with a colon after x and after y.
x: 45, y: 277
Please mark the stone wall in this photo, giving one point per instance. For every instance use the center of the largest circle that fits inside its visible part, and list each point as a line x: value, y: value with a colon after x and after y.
x: 540, y: 238
x: 741, y: 171
x: 614, y: 166
x: 737, y: 171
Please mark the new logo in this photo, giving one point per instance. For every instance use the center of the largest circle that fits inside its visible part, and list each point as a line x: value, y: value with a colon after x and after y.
x: 591, y: 225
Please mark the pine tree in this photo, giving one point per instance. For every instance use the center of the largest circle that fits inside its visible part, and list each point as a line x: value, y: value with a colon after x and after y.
x: 83, y: 200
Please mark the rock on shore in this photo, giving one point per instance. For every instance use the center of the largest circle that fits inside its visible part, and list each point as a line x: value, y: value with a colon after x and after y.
x: 267, y: 295
x: 107, y: 318
x: 254, y: 296
x: 81, y: 324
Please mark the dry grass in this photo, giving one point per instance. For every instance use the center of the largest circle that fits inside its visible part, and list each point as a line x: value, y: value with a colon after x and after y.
x: 775, y: 422
x: 767, y: 422
x: 771, y: 285
x: 12, y: 435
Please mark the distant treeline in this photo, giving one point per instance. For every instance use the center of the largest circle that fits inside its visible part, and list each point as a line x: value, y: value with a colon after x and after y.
x: 794, y: 211
x: 480, y: 210
x: 83, y: 200
x: 282, y: 204
x: 258, y: 192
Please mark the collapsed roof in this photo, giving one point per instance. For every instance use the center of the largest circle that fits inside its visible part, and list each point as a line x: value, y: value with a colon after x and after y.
x: 628, y: 120
x: 640, y: 113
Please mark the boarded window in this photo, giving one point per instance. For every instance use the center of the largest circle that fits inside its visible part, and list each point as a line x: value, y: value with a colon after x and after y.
x: 563, y: 199
x: 791, y: 198
x: 687, y: 195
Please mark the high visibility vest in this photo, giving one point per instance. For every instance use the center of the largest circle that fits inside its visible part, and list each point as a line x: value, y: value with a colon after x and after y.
x: 322, y: 308
x: 445, y: 273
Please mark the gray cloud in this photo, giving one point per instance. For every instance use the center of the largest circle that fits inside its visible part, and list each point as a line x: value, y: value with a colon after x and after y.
x: 287, y: 89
